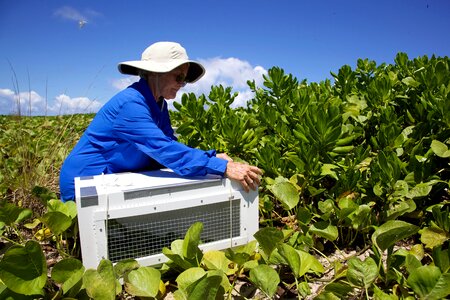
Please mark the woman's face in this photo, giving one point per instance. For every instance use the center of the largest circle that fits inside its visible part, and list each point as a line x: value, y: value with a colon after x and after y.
x: 171, y: 82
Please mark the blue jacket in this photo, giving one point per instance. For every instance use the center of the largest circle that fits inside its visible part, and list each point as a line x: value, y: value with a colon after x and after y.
x: 132, y: 133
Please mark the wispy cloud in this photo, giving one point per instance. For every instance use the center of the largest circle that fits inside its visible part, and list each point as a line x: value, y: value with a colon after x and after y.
x: 72, y: 14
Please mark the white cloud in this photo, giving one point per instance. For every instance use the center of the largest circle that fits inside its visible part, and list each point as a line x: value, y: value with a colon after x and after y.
x: 66, y: 105
x: 69, y: 13
x: 72, y: 14
x: 229, y: 72
x: 31, y: 103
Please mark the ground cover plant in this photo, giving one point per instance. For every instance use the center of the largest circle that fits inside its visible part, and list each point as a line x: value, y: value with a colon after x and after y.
x: 354, y: 202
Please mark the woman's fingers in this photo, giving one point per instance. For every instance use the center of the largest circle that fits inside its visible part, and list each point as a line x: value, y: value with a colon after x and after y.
x: 248, y: 176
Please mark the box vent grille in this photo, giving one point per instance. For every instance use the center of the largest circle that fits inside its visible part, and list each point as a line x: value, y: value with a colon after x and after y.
x: 145, y: 235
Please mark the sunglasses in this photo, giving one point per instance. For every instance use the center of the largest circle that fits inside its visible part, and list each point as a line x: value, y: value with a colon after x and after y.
x: 181, y: 79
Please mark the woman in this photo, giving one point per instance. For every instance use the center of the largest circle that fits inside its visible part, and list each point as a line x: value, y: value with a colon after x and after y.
x: 132, y: 131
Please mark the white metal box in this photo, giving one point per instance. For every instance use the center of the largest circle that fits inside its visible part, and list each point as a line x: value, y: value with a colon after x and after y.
x: 134, y: 215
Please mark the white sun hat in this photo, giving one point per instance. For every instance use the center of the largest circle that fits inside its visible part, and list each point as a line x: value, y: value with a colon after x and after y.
x: 163, y: 57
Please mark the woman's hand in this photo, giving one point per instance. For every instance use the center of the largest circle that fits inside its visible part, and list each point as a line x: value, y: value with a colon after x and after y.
x: 247, y: 175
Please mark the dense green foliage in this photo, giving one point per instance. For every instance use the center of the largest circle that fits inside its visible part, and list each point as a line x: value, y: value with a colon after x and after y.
x: 360, y: 163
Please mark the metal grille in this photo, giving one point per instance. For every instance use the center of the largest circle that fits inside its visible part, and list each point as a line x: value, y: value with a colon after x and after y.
x: 140, y: 236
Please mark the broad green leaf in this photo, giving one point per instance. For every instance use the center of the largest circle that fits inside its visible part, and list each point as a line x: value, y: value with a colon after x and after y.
x: 208, y: 288
x: 24, y: 269
x: 240, y: 258
x: 335, y: 290
x: 440, y: 149
x: 303, y: 215
x: 421, y: 190
x: 101, y: 283
x: 391, y: 232
x: 380, y: 295
x: 189, y: 276
x: 68, y: 272
x: 309, y: 263
x: 429, y: 283
x: 177, y: 259
x: 291, y: 256
x: 266, y: 278
x: 325, y: 229
x: 192, y: 240
x: 68, y: 208
x: 11, y: 214
x: 143, y: 282
x: 286, y: 193
x: 56, y: 221
x: 409, y: 81
x: 216, y: 260
x: 400, y: 209
x: 433, y: 236
x: 441, y: 258
x: 327, y: 169
x: 268, y: 238
x: 412, y: 263
x: 125, y: 266
x: 361, y: 217
x: 362, y: 273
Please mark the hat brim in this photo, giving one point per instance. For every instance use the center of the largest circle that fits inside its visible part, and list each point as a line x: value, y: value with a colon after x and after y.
x: 195, y: 71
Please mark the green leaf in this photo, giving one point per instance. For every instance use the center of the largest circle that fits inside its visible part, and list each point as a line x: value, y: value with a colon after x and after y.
x: 362, y: 273
x: 143, y: 282
x: 56, y: 221
x: 409, y: 81
x: 68, y: 208
x: 101, y: 283
x: 266, y: 278
x: 327, y: 169
x: 440, y: 149
x: 68, y: 272
x: 11, y: 214
x: 286, y: 193
x: 216, y: 260
x: 421, y: 190
x: 208, y: 288
x: 291, y: 256
x: 433, y: 236
x: 309, y: 263
x: 303, y: 215
x: 23, y: 269
x: 125, y: 266
x: 189, y: 277
x: 392, y: 231
x: 380, y: 295
x: 325, y: 229
x: 192, y: 240
x: 240, y: 258
x: 268, y: 238
x: 429, y: 283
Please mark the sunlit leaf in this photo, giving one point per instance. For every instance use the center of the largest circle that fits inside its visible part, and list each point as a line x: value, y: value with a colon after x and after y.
x: 268, y: 238
x: 24, y: 269
x: 391, y: 232
x: 286, y: 193
x: 362, y: 273
x: 325, y: 229
x: 143, y: 282
x: 429, y: 283
x: 266, y: 278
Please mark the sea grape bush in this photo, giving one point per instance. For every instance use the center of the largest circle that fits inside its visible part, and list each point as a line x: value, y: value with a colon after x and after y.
x: 360, y: 162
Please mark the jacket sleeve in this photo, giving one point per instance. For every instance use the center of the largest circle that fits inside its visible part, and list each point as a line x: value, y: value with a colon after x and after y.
x: 135, y: 124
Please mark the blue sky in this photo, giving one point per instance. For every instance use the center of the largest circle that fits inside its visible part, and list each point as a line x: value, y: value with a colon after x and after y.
x: 55, y: 66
